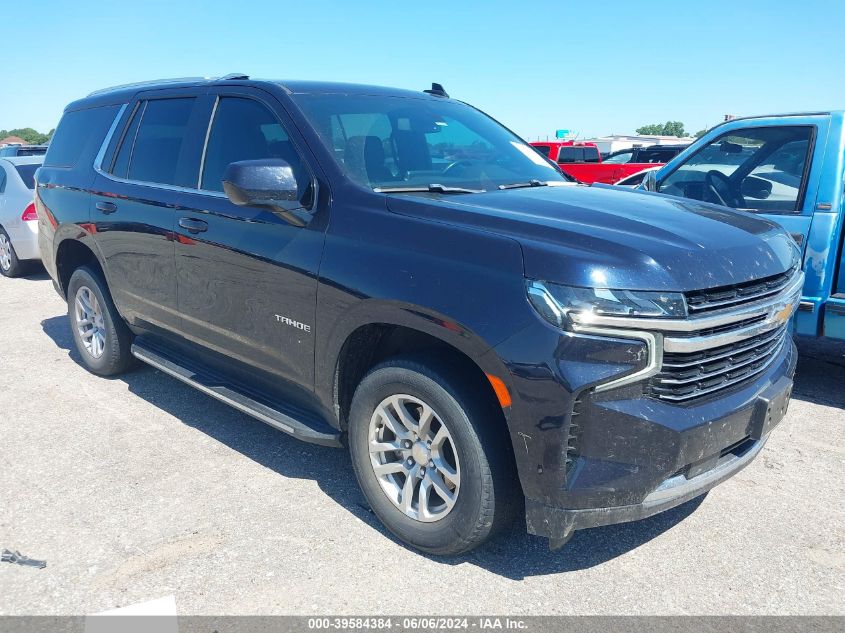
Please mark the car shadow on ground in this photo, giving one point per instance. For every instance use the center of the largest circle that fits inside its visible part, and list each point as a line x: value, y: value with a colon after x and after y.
x: 820, y: 377
x: 514, y: 554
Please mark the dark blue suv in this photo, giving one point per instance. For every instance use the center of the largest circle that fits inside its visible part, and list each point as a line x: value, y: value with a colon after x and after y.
x: 396, y: 271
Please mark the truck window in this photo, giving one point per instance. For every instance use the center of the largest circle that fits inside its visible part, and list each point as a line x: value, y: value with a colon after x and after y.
x: 619, y: 158
x: 545, y: 150
x: 757, y: 169
x: 578, y: 155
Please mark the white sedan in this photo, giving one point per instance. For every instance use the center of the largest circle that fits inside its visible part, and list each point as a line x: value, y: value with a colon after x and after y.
x: 18, y: 219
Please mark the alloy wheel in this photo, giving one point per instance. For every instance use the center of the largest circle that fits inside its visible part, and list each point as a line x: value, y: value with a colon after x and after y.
x: 89, y: 321
x: 5, y: 252
x: 414, y: 458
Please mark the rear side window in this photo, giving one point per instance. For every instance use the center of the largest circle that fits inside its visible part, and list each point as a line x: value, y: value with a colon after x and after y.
x: 120, y: 167
x: 27, y: 174
x: 543, y: 149
x: 80, y: 133
x: 160, y: 141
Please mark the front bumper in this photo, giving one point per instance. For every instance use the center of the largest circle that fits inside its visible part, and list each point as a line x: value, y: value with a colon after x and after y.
x: 632, y: 455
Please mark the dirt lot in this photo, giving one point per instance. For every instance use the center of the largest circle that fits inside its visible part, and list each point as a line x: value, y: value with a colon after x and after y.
x: 141, y: 488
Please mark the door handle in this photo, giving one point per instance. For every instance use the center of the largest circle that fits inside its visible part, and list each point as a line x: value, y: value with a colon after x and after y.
x: 106, y: 207
x: 192, y: 225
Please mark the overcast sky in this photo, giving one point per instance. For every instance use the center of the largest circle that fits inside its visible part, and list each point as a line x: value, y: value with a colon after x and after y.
x: 592, y: 67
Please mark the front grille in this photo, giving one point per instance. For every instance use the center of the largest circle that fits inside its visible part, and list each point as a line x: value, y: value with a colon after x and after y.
x: 691, y: 375
x: 726, y: 296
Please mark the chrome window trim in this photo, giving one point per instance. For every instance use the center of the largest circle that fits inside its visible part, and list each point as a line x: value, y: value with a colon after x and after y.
x: 205, y: 142
x: 98, y: 159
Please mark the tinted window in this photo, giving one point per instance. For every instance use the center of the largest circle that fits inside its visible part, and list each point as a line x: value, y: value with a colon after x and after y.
x: 545, y: 150
x: 160, y: 141
x: 2, y: 180
x: 756, y: 168
x: 80, y: 133
x: 578, y: 155
x: 121, y: 161
x: 32, y: 151
x: 27, y: 174
x: 619, y: 158
x: 656, y: 155
x: 244, y: 129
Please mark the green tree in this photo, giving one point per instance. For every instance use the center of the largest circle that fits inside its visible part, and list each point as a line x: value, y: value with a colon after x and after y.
x: 670, y: 128
x: 27, y: 134
x: 701, y: 133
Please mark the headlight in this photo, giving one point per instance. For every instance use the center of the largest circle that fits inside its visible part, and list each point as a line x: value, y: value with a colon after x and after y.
x: 561, y: 304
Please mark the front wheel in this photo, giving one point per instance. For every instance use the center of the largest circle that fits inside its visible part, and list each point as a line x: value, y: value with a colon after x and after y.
x: 101, y: 336
x: 431, y: 457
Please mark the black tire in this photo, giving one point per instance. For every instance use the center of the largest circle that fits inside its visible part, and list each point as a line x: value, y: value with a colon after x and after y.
x: 15, y: 268
x: 489, y: 496
x: 116, y: 356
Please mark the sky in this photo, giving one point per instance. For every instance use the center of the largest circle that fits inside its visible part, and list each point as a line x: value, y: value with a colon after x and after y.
x: 593, y: 67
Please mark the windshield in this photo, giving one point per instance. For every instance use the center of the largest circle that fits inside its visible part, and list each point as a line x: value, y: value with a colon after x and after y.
x: 386, y: 142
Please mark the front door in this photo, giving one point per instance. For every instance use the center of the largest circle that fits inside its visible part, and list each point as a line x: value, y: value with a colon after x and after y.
x: 247, y: 279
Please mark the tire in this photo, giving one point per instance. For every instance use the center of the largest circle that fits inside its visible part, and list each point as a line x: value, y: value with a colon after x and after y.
x: 10, y: 265
x: 105, y: 347
x: 485, y: 498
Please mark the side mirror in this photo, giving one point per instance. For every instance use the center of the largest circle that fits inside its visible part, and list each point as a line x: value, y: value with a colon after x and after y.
x: 756, y: 188
x: 650, y: 181
x: 267, y: 182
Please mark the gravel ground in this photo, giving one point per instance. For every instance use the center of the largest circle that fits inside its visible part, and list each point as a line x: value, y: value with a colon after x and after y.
x: 139, y: 487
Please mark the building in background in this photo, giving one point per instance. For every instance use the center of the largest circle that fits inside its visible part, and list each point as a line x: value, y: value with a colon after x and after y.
x: 12, y: 140
x: 616, y: 142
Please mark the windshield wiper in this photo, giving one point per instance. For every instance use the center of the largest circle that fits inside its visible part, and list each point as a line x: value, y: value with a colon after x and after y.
x: 432, y: 188
x: 519, y: 185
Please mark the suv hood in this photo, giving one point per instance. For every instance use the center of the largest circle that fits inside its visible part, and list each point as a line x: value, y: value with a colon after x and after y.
x: 595, y: 237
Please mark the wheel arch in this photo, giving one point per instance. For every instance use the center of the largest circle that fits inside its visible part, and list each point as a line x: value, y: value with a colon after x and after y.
x: 72, y: 253
x: 388, y: 330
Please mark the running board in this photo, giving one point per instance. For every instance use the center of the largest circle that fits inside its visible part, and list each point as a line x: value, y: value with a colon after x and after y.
x: 212, y: 385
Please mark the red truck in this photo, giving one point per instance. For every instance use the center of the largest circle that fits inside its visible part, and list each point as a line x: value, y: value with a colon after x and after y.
x: 584, y: 162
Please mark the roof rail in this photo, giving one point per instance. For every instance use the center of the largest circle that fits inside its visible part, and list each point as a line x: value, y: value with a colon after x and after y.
x: 153, y: 82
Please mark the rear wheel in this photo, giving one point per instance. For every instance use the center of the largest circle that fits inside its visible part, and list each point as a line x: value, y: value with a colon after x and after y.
x: 431, y: 456
x: 10, y: 265
x: 102, y: 338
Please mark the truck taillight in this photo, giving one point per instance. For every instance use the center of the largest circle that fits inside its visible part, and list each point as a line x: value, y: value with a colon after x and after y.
x: 29, y: 214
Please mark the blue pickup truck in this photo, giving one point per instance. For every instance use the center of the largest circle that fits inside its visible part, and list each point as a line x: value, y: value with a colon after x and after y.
x: 791, y: 169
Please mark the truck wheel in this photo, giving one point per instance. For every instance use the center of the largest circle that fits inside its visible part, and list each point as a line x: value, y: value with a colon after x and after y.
x: 430, y: 457
x: 101, y: 336
x: 10, y: 265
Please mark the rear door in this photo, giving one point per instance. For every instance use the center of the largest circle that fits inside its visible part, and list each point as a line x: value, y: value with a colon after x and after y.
x: 154, y: 157
x: 247, y: 279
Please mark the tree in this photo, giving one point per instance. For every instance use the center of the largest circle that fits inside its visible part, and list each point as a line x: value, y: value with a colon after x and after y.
x: 27, y: 134
x: 701, y: 133
x: 670, y: 128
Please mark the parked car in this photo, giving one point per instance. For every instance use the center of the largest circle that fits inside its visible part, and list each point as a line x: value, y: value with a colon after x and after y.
x: 22, y: 150
x: 787, y: 168
x: 18, y: 219
x: 396, y: 271
x: 583, y: 161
